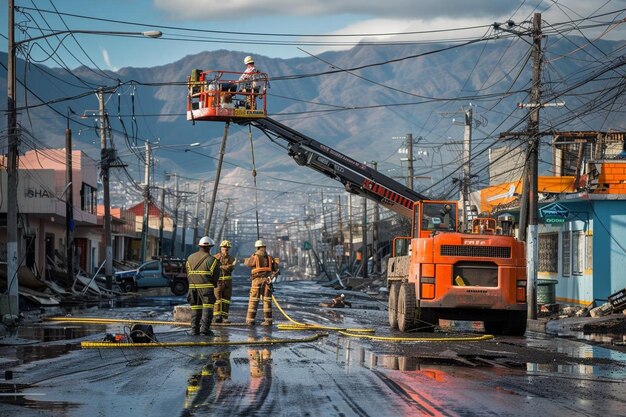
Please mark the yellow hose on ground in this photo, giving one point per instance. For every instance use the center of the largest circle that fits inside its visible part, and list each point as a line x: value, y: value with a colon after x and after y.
x: 305, y: 326
x: 114, y: 345
x: 98, y: 320
x: 295, y: 325
x: 420, y: 339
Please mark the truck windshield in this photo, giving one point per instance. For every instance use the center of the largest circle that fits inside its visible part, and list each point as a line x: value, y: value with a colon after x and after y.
x: 439, y: 216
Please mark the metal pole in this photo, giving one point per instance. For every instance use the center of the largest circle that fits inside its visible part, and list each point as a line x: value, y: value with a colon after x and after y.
x: 69, y: 204
x: 467, y: 155
x: 533, y: 166
x: 217, y: 178
x: 146, y: 206
x: 375, y: 253
x: 220, y: 235
x: 364, y: 257
x: 196, y: 220
x: 161, y: 218
x: 13, y: 255
x: 350, y: 236
x: 104, y: 167
x: 175, y: 219
x: 411, y: 173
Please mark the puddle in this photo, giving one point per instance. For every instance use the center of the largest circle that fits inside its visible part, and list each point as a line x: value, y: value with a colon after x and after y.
x: 251, y: 368
x: 13, y: 394
x: 584, y: 351
x: 602, y: 338
x: 54, y: 333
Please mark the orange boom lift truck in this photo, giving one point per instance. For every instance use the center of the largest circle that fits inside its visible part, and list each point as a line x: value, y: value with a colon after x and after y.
x: 439, y: 272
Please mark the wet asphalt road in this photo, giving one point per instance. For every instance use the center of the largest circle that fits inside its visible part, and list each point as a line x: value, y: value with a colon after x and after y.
x: 332, y: 376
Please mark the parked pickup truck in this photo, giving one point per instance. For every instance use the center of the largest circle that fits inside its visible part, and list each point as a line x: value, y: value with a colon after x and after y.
x: 165, y: 272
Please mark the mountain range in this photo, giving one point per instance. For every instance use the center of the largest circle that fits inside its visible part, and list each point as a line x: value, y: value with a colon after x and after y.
x: 355, y: 101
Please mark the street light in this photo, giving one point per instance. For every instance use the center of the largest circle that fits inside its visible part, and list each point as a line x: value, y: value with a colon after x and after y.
x: 13, y: 256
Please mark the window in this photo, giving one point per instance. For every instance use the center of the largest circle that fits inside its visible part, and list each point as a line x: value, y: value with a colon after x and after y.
x: 88, y: 201
x: 566, y: 253
x: 589, y: 253
x: 548, y: 252
x: 578, y: 252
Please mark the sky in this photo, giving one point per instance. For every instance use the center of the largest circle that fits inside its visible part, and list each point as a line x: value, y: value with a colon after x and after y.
x: 273, y: 28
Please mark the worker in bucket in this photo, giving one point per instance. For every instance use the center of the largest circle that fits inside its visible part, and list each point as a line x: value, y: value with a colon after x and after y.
x: 247, y: 82
x: 202, y: 273
x: 224, y: 288
x: 264, y: 269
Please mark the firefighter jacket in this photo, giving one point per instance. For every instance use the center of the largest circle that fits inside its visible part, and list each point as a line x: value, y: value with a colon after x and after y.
x: 202, y: 270
x: 262, y: 264
x: 227, y: 265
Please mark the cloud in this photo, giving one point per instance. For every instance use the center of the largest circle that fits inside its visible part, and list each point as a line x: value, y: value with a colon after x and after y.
x: 417, y: 9
x: 107, y: 59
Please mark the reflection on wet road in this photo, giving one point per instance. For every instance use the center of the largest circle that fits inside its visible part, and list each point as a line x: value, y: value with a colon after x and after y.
x: 333, y: 376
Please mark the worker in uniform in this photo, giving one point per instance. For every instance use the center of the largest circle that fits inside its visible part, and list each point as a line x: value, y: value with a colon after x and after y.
x: 202, y: 273
x: 247, y: 82
x: 224, y: 288
x: 264, y: 268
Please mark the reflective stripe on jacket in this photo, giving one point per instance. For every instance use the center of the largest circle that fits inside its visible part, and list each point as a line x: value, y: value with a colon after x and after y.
x: 201, y: 270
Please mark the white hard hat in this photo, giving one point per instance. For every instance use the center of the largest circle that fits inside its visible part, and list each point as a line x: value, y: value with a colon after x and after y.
x: 343, y: 296
x: 248, y: 60
x: 206, y: 241
x: 259, y: 244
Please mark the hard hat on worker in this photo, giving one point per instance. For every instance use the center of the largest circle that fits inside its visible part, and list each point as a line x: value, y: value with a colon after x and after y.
x: 225, y: 244
x: 248, y: 60
x: 259, y: 244
x: 206, y: 241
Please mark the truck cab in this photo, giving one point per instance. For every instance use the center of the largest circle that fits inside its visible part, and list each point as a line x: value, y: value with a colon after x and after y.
x: 164, y: 272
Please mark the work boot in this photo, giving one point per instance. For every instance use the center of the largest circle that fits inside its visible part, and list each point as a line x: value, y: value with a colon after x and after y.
x: 207, y: 333
x: 250, y: 322
x: 217, y: 320
x: 195, y: 332
x: 266, y: 323
x: 225, y: 321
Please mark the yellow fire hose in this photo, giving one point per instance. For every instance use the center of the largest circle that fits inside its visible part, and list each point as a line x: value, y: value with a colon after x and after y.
x: 294, y: 325
x: 306, y: 326
x: 114, y: 345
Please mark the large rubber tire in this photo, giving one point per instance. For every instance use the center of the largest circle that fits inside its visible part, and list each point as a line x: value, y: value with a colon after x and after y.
x: 394, y: 289
x: 516, y: 324
x: 180, y: 287
x: 494, y: 327
x: 128, y: 286
x: 406, y: 307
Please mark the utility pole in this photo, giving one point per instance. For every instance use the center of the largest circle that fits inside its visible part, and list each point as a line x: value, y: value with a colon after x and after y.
x: 69, y: 204
x: 161, y: 219
x: 217, y: 179
x: 196, y: 220
x: 350, y: 236
x: 532, y: 249
x: 146, y: 206
x: 183, y: 245
x: 175, y: 219
x: 220, y: 235
x: 467, y: 156
x: 411, y: 173
x: 13, y: 253
x: 375, y: 253
x: 340, y: 224
x: 104, y: 169
x: 364, y: 257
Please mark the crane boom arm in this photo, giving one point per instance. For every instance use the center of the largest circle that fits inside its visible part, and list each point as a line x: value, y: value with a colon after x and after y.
x: 357, y: 177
